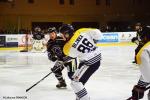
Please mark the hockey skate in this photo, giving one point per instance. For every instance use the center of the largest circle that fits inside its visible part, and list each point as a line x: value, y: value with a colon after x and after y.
x: 133, y: 61
x: 61, y: 84
x: 77, y: 98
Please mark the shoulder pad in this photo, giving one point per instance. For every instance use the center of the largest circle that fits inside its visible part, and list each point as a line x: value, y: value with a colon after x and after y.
x: 60, y: 41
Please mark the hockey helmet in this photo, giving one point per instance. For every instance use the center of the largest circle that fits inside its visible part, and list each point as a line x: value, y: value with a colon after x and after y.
x: 51, y: 29
x: 37, y: 29
x: 67, y: 30
x: 138, y: 24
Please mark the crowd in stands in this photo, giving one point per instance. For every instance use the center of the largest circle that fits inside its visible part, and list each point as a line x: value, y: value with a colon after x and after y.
x: 106, y: 28
x: 21, y: 31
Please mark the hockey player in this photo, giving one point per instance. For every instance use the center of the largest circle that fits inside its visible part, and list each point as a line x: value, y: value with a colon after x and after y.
x: 137, y: 39
x: 55, y: 53
x: 81, y: 44
x: 54, y: 49
x: 143, y: 59
x: 38, y: 40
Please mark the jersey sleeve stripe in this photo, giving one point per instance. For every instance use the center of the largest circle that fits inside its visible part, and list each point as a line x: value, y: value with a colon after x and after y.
x: 138, y: 56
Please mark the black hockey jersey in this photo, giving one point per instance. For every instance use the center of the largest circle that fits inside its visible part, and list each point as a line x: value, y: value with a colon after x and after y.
x: 55, y: 50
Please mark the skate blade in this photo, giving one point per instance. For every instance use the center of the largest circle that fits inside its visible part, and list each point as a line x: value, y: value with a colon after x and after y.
x: 61, y: 87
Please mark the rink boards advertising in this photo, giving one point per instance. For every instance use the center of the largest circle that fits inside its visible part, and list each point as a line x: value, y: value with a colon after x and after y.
x: 19, y: 40
x: 109, y: 37
x: 2, y: 41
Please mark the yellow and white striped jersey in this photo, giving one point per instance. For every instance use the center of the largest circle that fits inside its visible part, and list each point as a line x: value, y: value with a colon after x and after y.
x: 143, y: 59
x: 82, y: 45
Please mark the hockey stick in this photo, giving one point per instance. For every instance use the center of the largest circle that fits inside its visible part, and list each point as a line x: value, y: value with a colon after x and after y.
x: 43, y: 78
x: 131, y: 98
x: 38, y: 82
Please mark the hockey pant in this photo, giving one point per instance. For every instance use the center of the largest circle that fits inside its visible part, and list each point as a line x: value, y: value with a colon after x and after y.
x: 80, y: 77
x: 58, y: 72
x: 71, y: 67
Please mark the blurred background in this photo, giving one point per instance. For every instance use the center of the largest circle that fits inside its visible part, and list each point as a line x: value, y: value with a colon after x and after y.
x: 18, y: 16
x: 21, y: 17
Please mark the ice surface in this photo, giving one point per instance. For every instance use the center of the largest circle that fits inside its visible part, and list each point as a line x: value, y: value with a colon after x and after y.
x: 113, y: 81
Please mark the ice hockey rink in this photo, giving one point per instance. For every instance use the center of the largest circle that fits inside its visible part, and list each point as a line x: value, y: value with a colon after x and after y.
x: 113, y: 81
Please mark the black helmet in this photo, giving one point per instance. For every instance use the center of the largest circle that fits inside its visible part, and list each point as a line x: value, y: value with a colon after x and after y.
x: 66, y: 29
x: 37, y: 29
x: 51, y: 29
x: 138, y: 24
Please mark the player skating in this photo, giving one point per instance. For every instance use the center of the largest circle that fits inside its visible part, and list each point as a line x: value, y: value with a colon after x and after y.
x: 143, y: 59
x: 54, y: 49
x: 81, y: 44
x: 55, y: 53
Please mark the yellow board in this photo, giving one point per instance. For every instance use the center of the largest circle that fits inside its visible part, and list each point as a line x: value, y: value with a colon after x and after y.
x: 12, y: 49
x: 99, y: 44
x: 117, y: 44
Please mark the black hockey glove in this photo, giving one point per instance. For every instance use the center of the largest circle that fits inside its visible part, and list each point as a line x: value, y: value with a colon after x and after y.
x: 138, y: 92
x: 134, y: 39
x: 52, y: 57
x: 57, y: 67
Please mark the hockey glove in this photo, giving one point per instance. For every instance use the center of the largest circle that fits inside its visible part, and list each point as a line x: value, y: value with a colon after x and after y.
x: 52, y: 57
x: 134, y: 39
x: 138, y: 92
x: 57, y: 67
